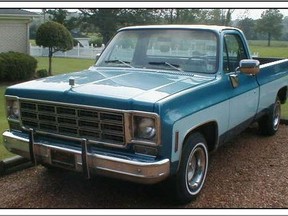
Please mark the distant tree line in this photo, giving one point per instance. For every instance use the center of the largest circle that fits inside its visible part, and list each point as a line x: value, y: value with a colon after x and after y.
x: 270, y: 26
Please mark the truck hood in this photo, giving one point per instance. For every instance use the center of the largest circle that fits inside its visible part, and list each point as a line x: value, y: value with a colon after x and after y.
x: 118, y: 88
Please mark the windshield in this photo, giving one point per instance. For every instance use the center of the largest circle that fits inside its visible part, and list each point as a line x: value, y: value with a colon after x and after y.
x: 177, y: 50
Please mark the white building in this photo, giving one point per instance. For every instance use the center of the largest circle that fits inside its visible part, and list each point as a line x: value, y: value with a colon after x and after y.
x: 14, y: 30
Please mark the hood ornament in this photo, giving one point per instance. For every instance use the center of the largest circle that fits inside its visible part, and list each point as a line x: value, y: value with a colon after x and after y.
x: 71, y: 82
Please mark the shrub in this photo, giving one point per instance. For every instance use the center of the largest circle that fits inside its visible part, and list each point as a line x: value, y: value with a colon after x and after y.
x: 41, y: 73
x: 2, y: 69
x: 16, y: 66
x: 96, y: 41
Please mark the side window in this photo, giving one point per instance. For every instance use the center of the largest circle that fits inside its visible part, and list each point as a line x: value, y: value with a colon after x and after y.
x: 233, y: 52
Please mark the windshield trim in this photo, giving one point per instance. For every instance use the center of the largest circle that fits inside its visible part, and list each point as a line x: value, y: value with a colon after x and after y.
x: 214, y: 32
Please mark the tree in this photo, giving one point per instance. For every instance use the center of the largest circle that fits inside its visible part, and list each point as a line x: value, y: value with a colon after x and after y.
x: 137, y: 17
x: 180, y: 16
x: 216, y: 16
x: 58, y: 15
x: 63, y: 17
x: 270, y: 23
x: 105, y: 19
x: 44, y: 11
x: 227, y: 16
x: 54, y: 36
x: 285, y: 29
x: 247, y: 25
x: 109, y: 20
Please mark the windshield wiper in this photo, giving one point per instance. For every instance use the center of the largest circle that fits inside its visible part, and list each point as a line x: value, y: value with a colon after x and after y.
x: 174, y: 66
x: 120, y: 61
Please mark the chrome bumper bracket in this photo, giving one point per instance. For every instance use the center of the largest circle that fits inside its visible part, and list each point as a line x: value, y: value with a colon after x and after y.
x: 85, y: 166
x: 31, y: 147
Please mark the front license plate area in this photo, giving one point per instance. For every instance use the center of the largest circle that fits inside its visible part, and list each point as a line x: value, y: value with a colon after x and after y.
x: 63, y: 159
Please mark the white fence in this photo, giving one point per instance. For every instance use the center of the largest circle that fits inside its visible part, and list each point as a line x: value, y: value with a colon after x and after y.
x: 77, y: 52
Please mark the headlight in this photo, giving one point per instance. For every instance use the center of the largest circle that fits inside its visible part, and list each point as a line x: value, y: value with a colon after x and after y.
x: 13, y: 110
x: 146, y: 128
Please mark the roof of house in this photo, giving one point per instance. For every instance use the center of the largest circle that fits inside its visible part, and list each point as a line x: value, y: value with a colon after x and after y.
x: 17, y: 12
x: 78, y: 35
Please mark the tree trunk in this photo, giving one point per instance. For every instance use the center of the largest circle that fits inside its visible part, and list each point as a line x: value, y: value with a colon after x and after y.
x: 228, y: 17
x: 269, y: 38
x: 171, y: 16
x: 177, y: 15
x: 106, y: 37
x: 50, y: 61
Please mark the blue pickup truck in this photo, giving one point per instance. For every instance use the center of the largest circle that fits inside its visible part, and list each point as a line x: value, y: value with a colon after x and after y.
x: 157, y: 102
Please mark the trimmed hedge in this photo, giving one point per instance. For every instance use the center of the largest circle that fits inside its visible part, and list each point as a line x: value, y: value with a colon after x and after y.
x: 41, y: 73
x: 16, y: 66
x: 96, y: 41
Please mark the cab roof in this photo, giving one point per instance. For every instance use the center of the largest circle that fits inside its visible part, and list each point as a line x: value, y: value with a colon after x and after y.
x: 214, y: 28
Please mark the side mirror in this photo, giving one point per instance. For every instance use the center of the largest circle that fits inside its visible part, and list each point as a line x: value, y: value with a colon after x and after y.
x: 249, y: 66
x: 97, y: 57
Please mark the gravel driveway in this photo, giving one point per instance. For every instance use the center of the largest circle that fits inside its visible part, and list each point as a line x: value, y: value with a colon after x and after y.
x: 249, y: 172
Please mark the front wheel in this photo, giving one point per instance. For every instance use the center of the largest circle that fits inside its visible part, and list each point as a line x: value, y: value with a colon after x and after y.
x: 193, y: 168
x: 269, y: 124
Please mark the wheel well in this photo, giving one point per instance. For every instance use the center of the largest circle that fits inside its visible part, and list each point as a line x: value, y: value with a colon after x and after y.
x: 209, y: 131
x: 282, y: 94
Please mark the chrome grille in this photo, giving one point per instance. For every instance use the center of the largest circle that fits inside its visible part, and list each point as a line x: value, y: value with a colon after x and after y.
x: 89, y: 123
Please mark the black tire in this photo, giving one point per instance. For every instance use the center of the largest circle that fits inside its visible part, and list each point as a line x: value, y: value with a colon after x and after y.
x: 269, y: 124
x: 190, y: 178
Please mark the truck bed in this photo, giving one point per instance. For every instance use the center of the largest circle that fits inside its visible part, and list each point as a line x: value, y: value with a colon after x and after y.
x: 265, y: 60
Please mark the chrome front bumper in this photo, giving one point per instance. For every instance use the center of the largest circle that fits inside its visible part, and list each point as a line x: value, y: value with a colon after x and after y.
x: 87, y: 162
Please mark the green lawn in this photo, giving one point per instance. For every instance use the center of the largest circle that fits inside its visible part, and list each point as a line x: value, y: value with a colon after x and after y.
x: 276, y: 49
x: 264, y: 43
x: 3, y: 123
x: 64, y: 65
x: 284, y: 111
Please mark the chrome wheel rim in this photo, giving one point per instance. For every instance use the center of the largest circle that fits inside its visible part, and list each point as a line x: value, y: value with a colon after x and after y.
x: 276, y: 115
x: 196, y: 168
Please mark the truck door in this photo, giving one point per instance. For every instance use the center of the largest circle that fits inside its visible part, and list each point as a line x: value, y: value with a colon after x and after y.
x: 244, y: 95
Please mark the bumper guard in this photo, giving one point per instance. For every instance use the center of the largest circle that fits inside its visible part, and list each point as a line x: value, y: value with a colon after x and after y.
x: 86, y: 162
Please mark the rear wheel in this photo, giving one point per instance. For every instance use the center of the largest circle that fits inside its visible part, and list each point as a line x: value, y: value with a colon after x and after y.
x: 269, y: 124
x: 193, y: 168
